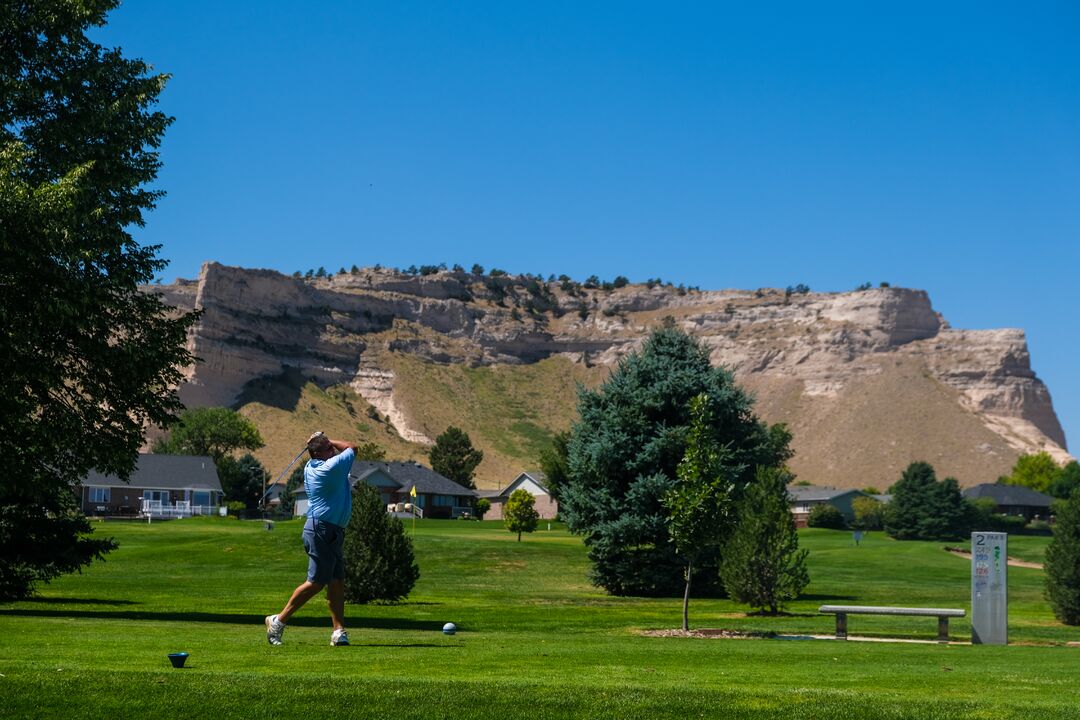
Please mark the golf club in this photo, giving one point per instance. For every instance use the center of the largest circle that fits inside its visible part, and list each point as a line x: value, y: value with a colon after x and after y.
x: 262, y: 501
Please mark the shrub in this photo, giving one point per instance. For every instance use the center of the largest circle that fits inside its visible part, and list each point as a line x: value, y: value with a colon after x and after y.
x: 924, y: 509
x: 763, y: 565
x: 379, y: 560
x: 236, y: 508
x: 1062, y: 563
x: 826, y: 516
x: 481, y: 508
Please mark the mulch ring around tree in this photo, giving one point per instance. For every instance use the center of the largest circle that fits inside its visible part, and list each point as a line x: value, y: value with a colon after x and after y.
x: 710, y: 633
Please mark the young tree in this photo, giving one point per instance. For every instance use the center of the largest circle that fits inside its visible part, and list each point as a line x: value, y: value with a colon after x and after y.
x: 379, y: 560
x: 213, y: 431
x: 699, y: 503
x: 481, y: 508
x: 520, y: 515
x: 624, y: 453
x: 924, y: 509
x: 243, y: 479
x: 1062, y: 563
x: 763, y: 565
x: 89, y: 357
x: 453, y: 456
x: 869, y: 513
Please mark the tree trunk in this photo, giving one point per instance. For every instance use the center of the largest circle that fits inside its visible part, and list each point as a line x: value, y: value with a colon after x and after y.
x: 519, y: 536
x: 686, y: 598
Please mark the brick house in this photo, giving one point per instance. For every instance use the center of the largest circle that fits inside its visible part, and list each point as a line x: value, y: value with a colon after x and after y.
x: 805, y: 497
x: 533, y: 482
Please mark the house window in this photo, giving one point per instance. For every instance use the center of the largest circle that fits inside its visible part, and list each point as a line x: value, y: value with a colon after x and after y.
x: 444, y: 501
x: 99, y: 495
x: 200, y: 497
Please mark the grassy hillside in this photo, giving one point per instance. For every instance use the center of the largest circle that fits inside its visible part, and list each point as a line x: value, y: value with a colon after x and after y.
x: 509, y: 411
x: 536, y: 639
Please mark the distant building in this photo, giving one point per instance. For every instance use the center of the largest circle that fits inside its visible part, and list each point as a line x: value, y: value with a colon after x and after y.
x: 532, y: 482
x: 161, y: 486
x: 805, y: 497
x: 1013, y: 500
x: 437, y: 496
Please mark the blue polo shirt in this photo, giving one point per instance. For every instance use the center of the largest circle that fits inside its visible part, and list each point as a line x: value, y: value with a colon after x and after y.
x: 328, y: 490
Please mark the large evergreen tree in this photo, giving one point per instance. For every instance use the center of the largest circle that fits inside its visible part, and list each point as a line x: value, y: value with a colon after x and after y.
x: 1062, y: 562
x: 762, y: 564
x: 624, y: 452
x: 453, y: 456
x: 379, y: 560
x: 924, y: 509
x: 89, y: 357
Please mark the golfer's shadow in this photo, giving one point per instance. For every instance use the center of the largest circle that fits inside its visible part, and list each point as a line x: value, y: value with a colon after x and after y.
x: 355, y: 622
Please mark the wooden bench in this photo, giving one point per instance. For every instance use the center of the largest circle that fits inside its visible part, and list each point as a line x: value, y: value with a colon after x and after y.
x: 842, y: 611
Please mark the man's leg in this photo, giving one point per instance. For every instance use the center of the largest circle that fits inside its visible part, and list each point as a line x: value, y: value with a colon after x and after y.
x: 301, y: 595
x: 335, y: 600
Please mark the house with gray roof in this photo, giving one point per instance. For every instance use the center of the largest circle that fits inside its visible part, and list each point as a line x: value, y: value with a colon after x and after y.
x: 533, y: 483
x: 805, y: 497
x: 437, y: 496
x: 160, y: 486
x: 1013, y: 500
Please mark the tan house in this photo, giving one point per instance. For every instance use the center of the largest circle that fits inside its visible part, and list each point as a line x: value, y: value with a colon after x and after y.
x: 533, y: 483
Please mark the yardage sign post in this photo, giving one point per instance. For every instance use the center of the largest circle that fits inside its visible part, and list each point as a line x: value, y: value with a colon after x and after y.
x: 989, y: 589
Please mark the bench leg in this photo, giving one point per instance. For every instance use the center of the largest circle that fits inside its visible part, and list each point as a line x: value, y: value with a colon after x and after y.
x: 841, y: 626
x: 943, y: 629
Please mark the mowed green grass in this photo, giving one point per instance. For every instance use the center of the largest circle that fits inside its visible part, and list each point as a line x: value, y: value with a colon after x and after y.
x: 536, y: 640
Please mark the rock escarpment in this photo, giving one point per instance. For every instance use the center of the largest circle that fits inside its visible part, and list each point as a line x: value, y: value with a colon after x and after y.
x: 866, y: 379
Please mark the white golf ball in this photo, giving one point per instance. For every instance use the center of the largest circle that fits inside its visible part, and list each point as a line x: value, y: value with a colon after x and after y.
x: 449, y: 628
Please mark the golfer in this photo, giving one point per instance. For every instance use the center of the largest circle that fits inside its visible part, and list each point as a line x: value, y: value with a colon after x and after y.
x: 326, y: 480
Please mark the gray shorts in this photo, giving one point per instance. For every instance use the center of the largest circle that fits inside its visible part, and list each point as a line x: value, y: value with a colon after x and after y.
x: 324, y: 542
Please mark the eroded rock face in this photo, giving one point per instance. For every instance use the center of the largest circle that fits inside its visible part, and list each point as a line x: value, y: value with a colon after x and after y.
x: 255, y: 323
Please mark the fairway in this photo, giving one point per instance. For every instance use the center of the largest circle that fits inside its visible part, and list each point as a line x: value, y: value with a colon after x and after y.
x: 535, y: 639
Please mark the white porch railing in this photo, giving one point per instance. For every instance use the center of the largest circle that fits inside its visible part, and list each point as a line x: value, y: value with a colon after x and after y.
x: 158, y: 509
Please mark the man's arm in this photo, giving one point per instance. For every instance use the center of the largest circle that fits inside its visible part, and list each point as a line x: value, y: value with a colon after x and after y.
x: 341, y: 445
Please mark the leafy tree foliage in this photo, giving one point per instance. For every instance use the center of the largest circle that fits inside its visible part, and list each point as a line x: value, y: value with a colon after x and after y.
x: 869, y: 513
x: 924, y: 509
x: 88, y: 357
x: 1067, y: 481
x: 379, y: 560
x: 1062, y: 563
x: 554, y: 465
x: 826, y: 516
x: 453, y: 456
x: 624, y: 453
x: 481, y: 508
x: 288, y: 493
x: 1037, y: 471
x: 699, y: 503
x: 213, y: 431
x: 243, y: 479
x: 520, y: 515
x: 762, y: 564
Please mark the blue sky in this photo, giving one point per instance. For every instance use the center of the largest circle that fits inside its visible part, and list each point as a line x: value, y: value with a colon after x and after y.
x: 932, y: 145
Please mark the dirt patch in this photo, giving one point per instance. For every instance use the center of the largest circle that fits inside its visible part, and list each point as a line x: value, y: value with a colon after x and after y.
x: 1014, y: 562
x: 709, y: 633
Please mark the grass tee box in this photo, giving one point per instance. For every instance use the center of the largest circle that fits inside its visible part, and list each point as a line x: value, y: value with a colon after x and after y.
x: 842, y: 611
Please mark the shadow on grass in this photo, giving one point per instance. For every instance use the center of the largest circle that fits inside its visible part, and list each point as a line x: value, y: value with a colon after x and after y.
x: 227, y: 618
x: 822, y: 598
x: 77, y: 601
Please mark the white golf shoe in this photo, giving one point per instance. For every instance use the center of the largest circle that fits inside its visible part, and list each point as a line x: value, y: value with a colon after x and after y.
x: 274, y: 629
x: 339, y: 637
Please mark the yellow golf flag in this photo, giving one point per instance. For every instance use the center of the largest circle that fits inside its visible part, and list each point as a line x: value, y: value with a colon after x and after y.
x: 413, y: 491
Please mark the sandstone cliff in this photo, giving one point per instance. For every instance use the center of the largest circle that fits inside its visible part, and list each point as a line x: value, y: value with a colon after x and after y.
x: 868, y: 380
